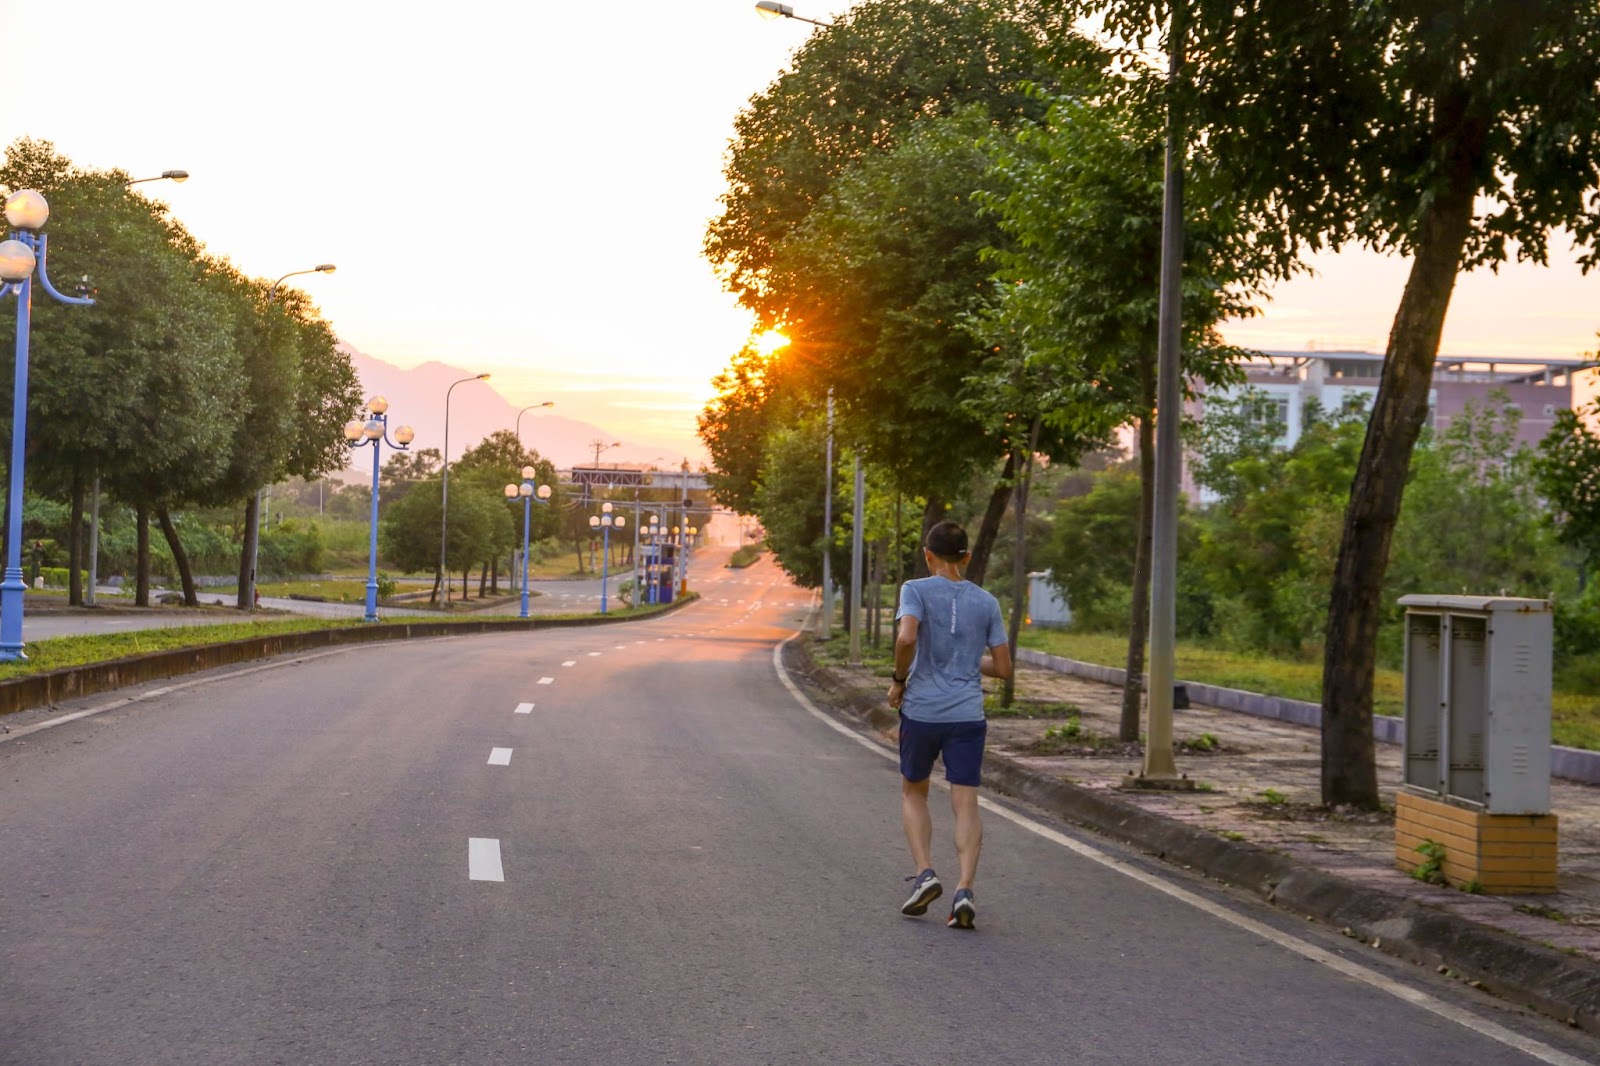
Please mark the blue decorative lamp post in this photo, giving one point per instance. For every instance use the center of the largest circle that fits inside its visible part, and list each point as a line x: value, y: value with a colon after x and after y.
x: 528, y: 492
x: 373, y: 433
x: 604, y: 522
x: 652, y: 564
x: 689, y: 535
x: 27, y: 212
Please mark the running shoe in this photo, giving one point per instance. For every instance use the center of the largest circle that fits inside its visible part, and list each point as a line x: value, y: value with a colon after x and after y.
x: 963, y: 913
x: 925, y: 891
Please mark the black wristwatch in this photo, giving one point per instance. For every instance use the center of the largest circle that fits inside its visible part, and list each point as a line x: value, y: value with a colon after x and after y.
x: 899, y: 680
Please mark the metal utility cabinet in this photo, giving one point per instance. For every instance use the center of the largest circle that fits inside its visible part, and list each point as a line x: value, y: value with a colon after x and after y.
x: 1477, y: 746
x: 1478, y: 700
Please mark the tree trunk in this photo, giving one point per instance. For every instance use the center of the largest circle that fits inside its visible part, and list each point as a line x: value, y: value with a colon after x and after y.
x: 435, y: 595
x: 247, y: 554
x: 179, y: 557
x: 1355, y: 608
x: 989, y: 528
x: 578, y: 545
x: 483, y: 581
x: 75, y: 547
x: 1144, y: 555
x: 1019, y: 561
x: 141, y: 580
x: 932, y: 515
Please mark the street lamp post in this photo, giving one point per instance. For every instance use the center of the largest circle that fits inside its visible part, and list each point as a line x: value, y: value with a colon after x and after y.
x: 528, y: 492
x: 373, y: 432
x: 1160, y: 768
x: 444, y: 493
x: 854, y: 628
x: 690, y: 533
x: 652, y: 575
x: 247, y: 591
x: 604, y: 522
x: 827, y: 528
x: 20, y: 255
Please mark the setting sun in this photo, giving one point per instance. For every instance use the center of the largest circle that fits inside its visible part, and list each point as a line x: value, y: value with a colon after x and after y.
x: 769, y: 342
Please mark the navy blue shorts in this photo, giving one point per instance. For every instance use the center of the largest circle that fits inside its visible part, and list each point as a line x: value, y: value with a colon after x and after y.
x: 961, y: 744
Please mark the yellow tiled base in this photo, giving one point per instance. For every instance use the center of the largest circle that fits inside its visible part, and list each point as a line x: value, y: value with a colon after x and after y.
x: 1504, y: 854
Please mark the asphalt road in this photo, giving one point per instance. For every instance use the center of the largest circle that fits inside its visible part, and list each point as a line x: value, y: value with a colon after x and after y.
x: 622, y: 844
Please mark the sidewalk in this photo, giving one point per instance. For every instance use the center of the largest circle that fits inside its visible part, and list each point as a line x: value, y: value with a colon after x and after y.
x: 1256, y: 822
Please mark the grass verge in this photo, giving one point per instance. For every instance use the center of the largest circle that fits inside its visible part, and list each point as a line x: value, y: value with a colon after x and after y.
x: 1575, y: 717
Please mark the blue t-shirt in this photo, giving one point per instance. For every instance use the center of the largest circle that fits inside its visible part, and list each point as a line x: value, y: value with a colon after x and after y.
x: 956, y: 623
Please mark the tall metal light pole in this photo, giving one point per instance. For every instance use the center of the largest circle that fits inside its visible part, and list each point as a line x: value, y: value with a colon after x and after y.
x: 247, y: 588
x: 827, y: 528
x: 444, y: 495
x: 1159, y: 766
x: 178, y: 176
x: 372, y: 432
x: 855, y: 563
x: 528, y: 492
x: 20, y: 255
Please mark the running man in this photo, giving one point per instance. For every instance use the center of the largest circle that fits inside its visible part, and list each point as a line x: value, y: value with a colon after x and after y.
x: 950, y: 635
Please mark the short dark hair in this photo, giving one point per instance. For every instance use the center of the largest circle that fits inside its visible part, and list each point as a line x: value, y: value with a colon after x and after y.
x: 948, y: 541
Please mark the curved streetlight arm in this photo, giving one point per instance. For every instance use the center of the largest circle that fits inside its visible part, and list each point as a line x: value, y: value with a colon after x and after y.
x: 772, y: 10
x: 166, y: 175
x: 324, y: 268
x: 525, y: 410
x: 44, y: 279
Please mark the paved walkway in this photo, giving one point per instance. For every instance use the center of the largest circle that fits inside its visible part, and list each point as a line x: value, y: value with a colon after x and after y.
x: 1262, y: 784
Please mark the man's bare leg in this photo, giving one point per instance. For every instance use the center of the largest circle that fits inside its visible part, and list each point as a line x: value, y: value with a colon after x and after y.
x: 918, y: 822
x: 969, y: 829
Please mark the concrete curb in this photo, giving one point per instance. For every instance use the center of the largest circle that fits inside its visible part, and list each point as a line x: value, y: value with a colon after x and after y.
x: 42, y: 690
x: 1573, y: 764
x: 1564, y: 987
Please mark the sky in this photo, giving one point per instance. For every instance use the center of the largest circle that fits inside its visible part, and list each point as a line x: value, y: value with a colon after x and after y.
x: 523, y: 189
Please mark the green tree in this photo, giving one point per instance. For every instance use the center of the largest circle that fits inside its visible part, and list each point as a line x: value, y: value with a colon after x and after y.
x: 1567, y: 469
x: 1078, y: 284
x: 1473, y: 521
x: 1456, y: 134
x: 403, y: 471
x: 849, y: 222
x: 137, y: 387
x: 787, y: 501
x: 1268, y: 544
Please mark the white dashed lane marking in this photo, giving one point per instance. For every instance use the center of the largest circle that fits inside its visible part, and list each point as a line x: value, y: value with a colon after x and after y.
x: 483, y: 860
x: 524, y: 708
x: 547, y: 681
x: 499, y: 756
x: 593, y: 654
x: 570, y: 662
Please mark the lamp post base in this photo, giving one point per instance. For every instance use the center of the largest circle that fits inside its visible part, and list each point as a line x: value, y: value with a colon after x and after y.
x: 12, y: 591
